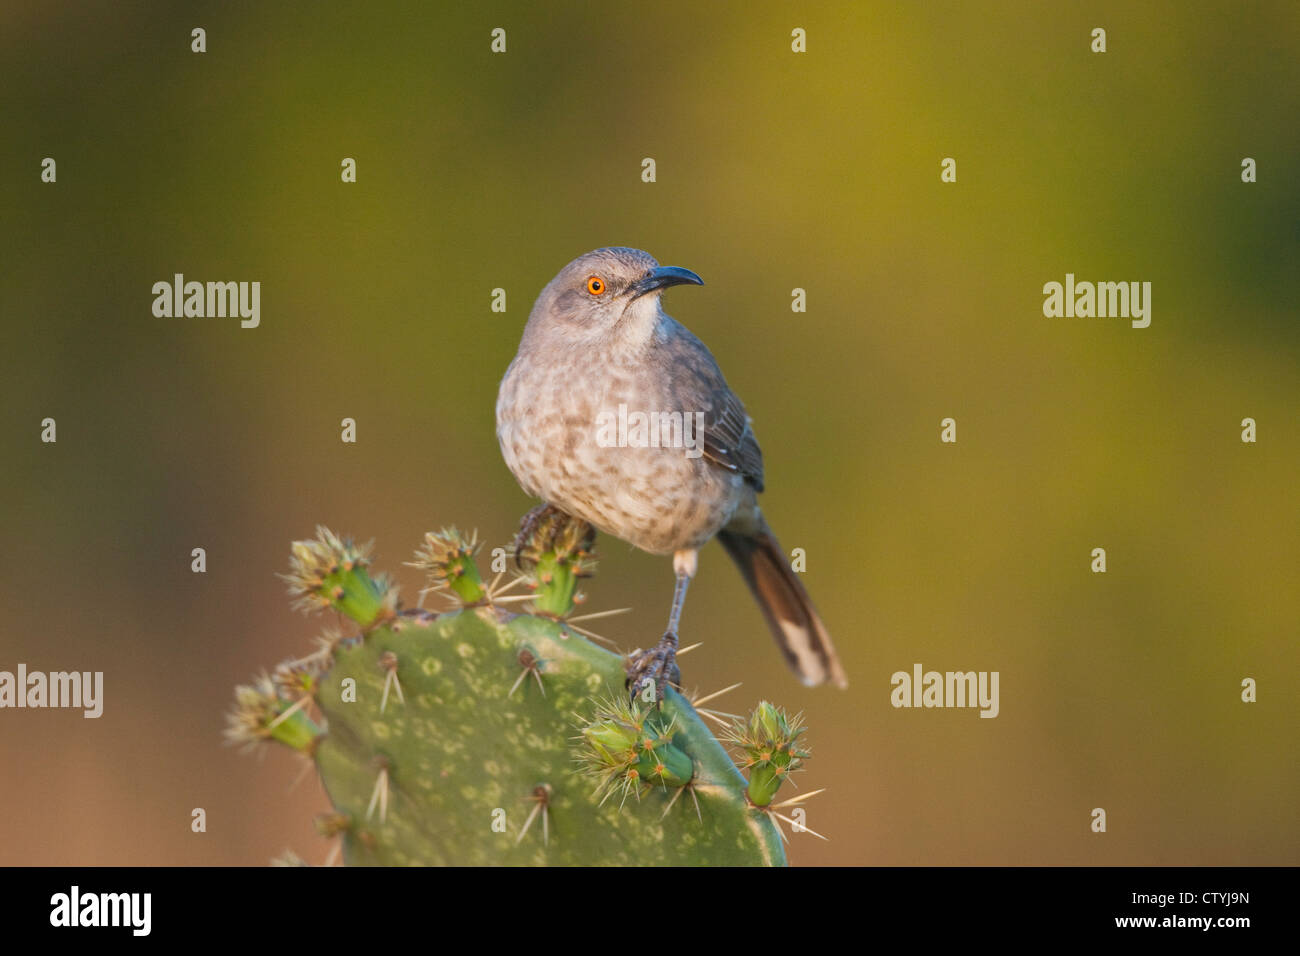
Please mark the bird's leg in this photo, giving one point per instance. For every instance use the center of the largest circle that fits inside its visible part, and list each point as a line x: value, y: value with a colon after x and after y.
x: 657, y: 667
x: 529, y: 524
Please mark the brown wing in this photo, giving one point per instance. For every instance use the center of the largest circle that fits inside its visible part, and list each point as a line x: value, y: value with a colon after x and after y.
x: 729, y: 440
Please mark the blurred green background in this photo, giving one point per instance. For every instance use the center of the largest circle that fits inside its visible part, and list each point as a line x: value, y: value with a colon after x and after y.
x: 775, y: 171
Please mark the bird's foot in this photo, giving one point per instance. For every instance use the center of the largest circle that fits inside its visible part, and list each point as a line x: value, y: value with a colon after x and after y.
x: 529, y: 525
x: 650, y: 672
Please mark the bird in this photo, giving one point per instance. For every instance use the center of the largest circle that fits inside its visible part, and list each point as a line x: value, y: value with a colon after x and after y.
x: 598, y: 351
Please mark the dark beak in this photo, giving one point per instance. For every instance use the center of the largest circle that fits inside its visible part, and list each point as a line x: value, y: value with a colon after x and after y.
x: 662, y: 278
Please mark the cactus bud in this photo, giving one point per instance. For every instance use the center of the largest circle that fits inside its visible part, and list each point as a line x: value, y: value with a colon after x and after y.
x: 622, y: 747
x: 558, y: 552
x: 260, y: 713
x: 447, y: 557
x: 768, y: 749
x: 331, y: 571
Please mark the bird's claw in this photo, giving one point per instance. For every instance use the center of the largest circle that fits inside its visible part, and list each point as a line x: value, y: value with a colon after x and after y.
x: 528, y: 525
x: 649, y: 673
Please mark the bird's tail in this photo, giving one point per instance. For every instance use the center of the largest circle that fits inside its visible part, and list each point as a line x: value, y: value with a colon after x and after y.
x: 794, y: 622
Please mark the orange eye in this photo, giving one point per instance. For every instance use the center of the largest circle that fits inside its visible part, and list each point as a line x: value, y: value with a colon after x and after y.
x: 595, y: 285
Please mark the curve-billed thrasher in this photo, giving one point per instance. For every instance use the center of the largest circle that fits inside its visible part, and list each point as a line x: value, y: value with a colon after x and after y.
x: 599, y: 415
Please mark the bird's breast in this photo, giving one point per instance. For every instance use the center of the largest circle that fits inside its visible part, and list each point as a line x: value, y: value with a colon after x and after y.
x: 603, y: 442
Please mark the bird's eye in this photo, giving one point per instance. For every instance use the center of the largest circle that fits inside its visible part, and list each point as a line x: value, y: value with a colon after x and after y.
x: 595, y: 285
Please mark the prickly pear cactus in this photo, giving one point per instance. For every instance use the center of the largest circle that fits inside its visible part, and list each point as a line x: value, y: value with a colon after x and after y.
x: 480, y: 735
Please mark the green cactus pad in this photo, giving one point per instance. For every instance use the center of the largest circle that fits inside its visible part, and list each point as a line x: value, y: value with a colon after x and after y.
x: 462, y: 748
x: 466, y: 738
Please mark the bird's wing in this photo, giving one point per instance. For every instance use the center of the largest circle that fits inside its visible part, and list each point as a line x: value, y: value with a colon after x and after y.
x: 729, y: 440
x: 729, y: 437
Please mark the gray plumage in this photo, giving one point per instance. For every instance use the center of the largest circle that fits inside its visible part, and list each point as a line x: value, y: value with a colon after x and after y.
x: 588, y: 349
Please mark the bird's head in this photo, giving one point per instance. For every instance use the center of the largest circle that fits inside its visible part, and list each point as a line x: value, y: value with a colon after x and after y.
x: 614, y: 290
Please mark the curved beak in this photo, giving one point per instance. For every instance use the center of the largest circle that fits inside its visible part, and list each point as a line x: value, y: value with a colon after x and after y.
x: 662, y: 278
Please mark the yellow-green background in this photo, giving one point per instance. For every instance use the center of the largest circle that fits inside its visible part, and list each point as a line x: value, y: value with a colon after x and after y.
x: 775, y: 170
